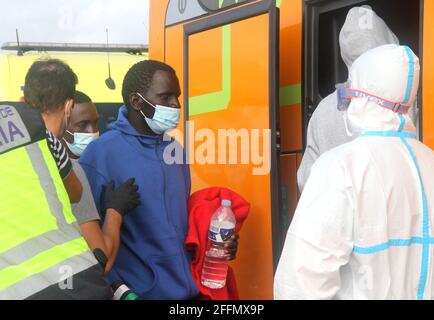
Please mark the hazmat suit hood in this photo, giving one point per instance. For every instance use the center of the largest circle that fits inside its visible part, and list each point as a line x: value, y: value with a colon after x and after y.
x: 363, y: 30
x: 390, y: 72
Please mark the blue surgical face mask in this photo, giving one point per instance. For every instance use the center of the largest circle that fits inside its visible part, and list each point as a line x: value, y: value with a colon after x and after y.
x: 81, y: 141
x: 164, y: 119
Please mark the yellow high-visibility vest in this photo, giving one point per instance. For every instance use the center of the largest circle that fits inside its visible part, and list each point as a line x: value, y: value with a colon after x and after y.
x: 39, y: 238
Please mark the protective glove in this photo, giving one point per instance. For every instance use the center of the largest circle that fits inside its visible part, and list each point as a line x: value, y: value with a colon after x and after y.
x: 101, y: 257
x: 123, y: 199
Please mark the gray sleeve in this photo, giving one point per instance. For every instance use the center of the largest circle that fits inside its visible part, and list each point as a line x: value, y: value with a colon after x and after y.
x: 326, y: 130
x: 85, y: 210
x: 310, y: 155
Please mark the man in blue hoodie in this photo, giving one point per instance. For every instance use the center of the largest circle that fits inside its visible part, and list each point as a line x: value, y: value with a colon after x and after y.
x: 152, y: 260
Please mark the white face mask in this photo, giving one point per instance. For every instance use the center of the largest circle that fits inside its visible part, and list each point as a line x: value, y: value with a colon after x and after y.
x: 347, y: 127
x: 164, y: 119
x: 352, y: 130
x: 81, y: 141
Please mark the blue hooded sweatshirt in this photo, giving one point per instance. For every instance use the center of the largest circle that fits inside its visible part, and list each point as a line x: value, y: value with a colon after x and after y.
x: 152, y: 258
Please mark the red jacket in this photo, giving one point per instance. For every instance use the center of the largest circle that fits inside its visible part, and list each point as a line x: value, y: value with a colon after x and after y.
x: 201, y: 206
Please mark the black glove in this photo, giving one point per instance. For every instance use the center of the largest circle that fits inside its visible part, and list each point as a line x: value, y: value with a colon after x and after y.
x: 100, y: 257
x: 123, y: 199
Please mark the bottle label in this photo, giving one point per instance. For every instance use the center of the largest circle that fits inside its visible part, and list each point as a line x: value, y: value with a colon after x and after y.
x: 220, y: 234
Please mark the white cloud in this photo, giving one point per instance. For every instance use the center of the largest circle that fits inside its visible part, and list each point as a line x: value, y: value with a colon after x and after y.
x: 83, y: 21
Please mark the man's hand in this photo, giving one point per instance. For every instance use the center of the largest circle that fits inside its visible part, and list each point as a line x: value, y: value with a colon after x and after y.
x: 232, y: 247
x: 123, y: 199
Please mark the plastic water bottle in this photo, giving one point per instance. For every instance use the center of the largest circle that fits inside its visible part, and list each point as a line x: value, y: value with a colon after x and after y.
x: 221, y: 229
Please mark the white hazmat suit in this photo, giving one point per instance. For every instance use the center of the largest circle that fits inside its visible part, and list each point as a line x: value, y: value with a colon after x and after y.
x: 363, y: 30
x: 363, y: 225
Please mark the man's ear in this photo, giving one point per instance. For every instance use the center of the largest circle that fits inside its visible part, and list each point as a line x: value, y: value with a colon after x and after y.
x: 68, y: 107
x: 22, y: 100
x: 135, y: 102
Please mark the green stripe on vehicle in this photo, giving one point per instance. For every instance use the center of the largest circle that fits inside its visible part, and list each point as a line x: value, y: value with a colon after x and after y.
x: 290, y: 95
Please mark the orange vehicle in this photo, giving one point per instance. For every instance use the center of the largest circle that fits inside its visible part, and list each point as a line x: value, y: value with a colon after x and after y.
x: 260, y: 68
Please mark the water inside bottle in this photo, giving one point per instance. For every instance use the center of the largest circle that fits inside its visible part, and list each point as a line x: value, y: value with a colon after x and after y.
x: 215, y: 268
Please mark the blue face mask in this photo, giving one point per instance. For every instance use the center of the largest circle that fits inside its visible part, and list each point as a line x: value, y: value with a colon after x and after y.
x: 164, y: 119
x: 81, y: 141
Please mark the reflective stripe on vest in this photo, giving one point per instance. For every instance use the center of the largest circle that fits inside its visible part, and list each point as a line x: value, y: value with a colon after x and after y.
x: 38, y: 232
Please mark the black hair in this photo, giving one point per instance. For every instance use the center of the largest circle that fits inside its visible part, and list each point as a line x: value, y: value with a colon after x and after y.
x: 81, y: 97
x: 49, y: 84
x: 139, y: 77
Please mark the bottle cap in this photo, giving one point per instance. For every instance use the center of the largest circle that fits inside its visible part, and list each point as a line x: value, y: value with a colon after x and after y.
x: 226, y: 203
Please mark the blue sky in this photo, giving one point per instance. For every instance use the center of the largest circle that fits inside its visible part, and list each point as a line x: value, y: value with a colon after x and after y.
x: 75, y: 21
